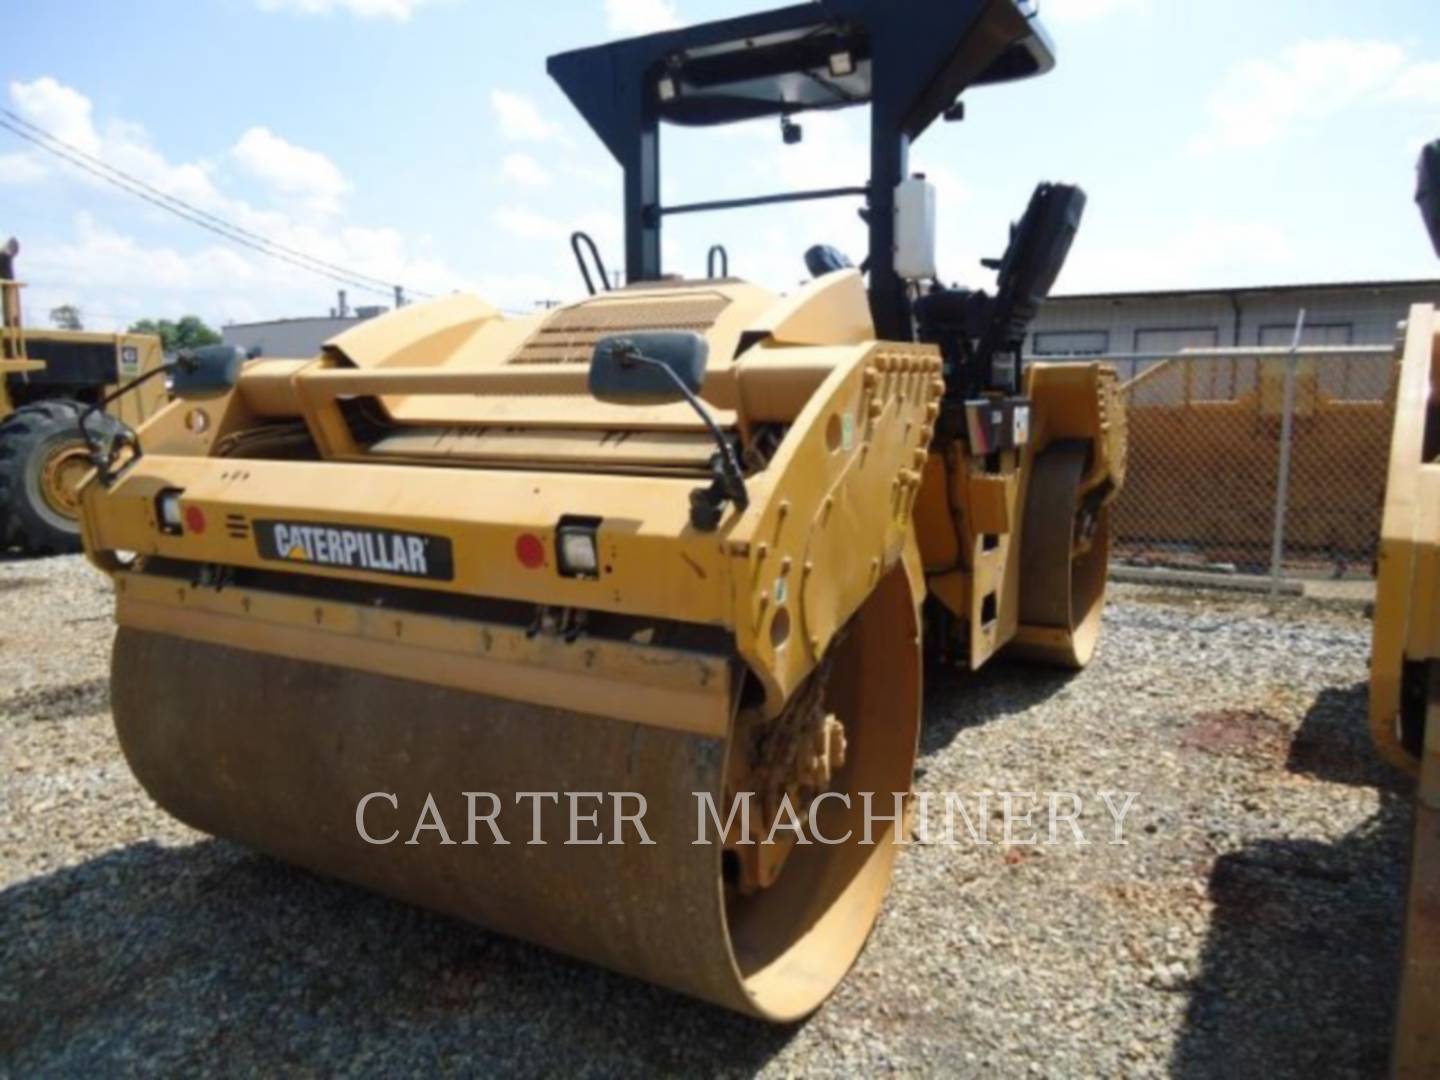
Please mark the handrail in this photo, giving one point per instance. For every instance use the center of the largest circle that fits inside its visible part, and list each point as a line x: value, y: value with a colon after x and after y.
x: 12, y: 334
x: 719, y: 253
x: 421, y: 382
x: 577, y: 239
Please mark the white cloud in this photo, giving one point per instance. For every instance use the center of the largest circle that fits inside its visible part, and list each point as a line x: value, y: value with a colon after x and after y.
x: 307, y: 176
x: 1075, y: 11
x: 102, y: 258
x: 116, y: 277
x: 833, y: 152
x: 66, y: 114
x: 546, y: 233
x: 124, y: 274
x: 527, y: 224
x: 524, y: 170
x: 1201, y: 253
x: 60, y: 110
x: 1419, y: 83
x: 16, y: 169
x: 290, y: 169
x: 1262, y: 101
x: 126, y: 260
x: 520, y: 118
x: 397, y: 10
x: 605, y: 228
x: 636, y: 17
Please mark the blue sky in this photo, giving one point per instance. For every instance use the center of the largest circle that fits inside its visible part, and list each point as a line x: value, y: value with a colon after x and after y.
x: 1221, y: 142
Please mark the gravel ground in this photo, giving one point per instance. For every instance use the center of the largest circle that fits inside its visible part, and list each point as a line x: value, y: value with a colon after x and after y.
x: 1249, y: 926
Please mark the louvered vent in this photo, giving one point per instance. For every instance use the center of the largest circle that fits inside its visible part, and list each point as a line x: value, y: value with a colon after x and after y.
x: 569, y: 337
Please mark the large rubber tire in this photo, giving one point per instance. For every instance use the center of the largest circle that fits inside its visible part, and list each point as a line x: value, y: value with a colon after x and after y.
x: 42, y: 456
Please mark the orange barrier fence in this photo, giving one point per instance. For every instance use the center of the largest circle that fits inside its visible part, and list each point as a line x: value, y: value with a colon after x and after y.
x: 1206, y: 432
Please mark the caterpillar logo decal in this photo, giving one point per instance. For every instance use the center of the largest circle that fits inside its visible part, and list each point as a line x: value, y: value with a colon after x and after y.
x: 345, y: 547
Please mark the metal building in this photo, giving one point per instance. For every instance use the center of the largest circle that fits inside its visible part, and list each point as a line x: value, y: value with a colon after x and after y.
x: 1163, y: 323
x: 291, y: 339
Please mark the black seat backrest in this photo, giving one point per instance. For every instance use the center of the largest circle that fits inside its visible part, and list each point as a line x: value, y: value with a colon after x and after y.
x: 823, y: 259
x: 1428, y: 193
x: 1039, y: 246
x: 974, y: 329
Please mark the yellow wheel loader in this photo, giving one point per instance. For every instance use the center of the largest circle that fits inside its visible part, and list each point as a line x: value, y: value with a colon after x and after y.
x: 549, y: 623
x: 1405, y: 665
x: 48, y: 381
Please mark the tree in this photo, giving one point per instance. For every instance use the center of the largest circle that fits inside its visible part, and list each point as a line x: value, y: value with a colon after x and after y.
x: 189, y: 333
x: 66, y: 317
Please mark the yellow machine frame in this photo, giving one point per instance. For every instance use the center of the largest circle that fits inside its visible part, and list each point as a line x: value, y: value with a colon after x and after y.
x: 860, y: 403
x: 1405, y: 674
x: 861, y: 504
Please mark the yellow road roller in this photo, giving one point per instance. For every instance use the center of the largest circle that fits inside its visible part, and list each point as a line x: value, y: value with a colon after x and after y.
x: 549, y: 622
x: 1405, y: 663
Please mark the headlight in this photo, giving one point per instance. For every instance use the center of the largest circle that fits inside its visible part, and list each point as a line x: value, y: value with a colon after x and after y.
x: 577, y: 549
x: 167, y: 511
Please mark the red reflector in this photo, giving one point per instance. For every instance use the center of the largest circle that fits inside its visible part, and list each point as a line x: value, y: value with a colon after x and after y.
x: 194, y: 519
x: 530, y: 551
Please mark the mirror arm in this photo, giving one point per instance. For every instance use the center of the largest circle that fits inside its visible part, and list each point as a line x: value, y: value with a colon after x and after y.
x: 729, y: 485
x: 103, y: 457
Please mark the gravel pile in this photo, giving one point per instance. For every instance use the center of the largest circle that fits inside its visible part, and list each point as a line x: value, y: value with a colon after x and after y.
x: 1249, y: 926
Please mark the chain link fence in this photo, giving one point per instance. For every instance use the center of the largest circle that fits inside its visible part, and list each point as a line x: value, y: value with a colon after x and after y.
x: 1261, y: 460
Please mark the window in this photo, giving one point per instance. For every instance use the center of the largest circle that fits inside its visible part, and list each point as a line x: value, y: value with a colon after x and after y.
x: 1283, y: 334
x: 1168, y: 342
x: 1072, y: 342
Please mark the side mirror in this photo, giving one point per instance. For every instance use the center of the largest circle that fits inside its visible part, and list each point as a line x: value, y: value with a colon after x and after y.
x: 207, y: 370
x: 1428, y: 193
x: 648, y: 368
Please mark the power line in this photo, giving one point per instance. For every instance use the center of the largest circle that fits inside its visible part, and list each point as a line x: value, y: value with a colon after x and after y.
x: 139, y: 190
x: 69, y: 152
x: 236, y: 234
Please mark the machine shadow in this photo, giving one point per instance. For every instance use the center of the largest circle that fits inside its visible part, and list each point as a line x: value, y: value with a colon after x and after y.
x: 1301, y: 964
x: 211, y: 959
x: 1333, y: 743
x: 958, y: 701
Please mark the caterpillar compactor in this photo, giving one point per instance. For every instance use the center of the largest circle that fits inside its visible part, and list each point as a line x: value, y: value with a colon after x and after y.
x: 1405, y: 664
x: 677, y: 545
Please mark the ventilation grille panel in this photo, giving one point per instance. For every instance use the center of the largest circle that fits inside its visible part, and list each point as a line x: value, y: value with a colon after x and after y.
x: 568, y: 337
